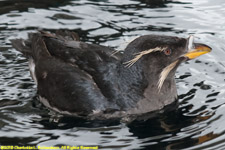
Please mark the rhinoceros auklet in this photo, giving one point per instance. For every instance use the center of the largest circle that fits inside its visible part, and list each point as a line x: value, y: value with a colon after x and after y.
x: 84, y: 79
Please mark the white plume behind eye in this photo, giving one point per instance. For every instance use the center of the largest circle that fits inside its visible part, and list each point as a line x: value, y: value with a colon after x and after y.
x: 140, y: 54
x: 170, y: 67
x: 165, y: 73
x: 190, y: 42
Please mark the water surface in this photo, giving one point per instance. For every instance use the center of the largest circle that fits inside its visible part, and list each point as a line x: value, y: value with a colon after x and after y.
x: 199, y: 122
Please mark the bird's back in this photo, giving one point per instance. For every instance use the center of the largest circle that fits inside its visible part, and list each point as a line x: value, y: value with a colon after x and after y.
x: 72, y: 76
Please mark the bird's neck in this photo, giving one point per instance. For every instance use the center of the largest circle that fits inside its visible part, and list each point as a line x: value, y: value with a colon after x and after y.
x: 132, y: 81
x: 139, y: 85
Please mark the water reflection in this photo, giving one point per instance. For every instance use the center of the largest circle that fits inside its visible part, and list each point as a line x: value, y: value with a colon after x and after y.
x: 24, y: 5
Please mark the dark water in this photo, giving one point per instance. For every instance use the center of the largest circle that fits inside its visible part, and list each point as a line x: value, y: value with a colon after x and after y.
x: 199, y: 122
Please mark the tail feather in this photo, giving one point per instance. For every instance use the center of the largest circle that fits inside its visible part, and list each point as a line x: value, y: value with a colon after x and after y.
x: 20, y: 45
x: 38, y: 47
x: 33, y: 47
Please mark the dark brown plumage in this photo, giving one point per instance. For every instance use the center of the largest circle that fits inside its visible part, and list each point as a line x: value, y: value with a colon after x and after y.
x: 77, y: 78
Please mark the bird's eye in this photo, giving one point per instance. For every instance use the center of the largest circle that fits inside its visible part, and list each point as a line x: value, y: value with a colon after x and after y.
x: 167, y: 51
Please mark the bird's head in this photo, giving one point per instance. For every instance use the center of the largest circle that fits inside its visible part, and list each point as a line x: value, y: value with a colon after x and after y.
x: 161, y: 55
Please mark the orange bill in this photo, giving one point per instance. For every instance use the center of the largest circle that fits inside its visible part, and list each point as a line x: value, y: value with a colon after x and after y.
x: 199, y: 50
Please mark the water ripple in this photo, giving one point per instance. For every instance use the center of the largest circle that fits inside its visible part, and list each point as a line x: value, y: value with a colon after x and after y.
x: 198, y: 123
